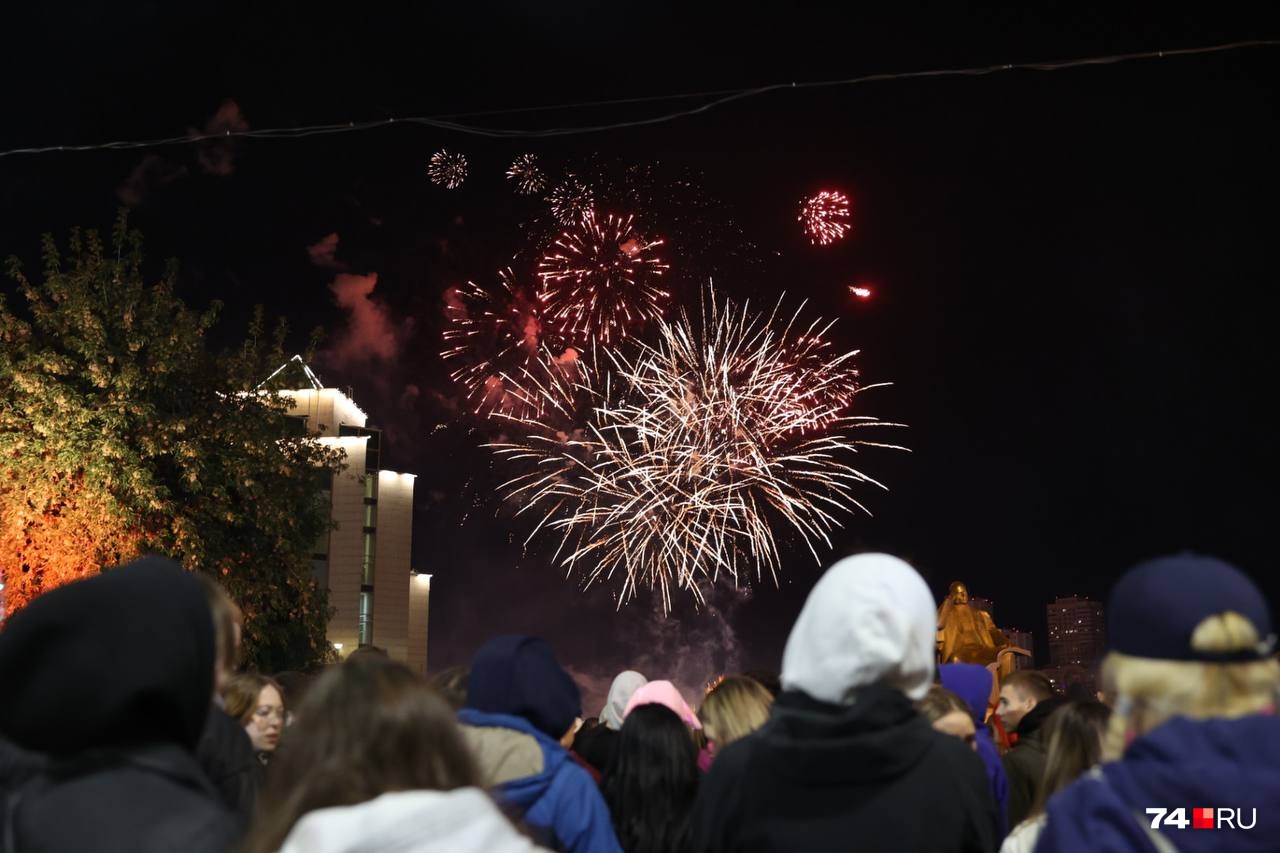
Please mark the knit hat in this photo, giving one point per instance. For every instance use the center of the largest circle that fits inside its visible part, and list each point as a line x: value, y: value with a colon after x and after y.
x: 663, y: 693
x: 1155, y: 608
x: 519, y: 675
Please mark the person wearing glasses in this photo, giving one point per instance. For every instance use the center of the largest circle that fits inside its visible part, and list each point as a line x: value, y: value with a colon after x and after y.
x: 258, y: 703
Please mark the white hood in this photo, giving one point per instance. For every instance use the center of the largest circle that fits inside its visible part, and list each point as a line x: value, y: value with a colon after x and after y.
x: 620, y: 692
x: 460, y: 821
x: 870, y: 619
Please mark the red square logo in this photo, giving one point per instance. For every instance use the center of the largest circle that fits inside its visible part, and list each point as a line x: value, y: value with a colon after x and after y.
x: 1202, y: 819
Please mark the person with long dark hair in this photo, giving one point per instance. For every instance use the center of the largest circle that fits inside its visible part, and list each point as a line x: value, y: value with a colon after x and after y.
x: 653, y: 781
x: 375, y: 761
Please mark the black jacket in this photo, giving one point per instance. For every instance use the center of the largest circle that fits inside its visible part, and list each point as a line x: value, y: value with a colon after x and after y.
x: 871, y: 776
x: 109, y: 681
x: 225, y: 753
x: 1024, y: 763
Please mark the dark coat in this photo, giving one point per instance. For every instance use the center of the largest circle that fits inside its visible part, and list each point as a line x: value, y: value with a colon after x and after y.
x: 1183, y: 764
x: 109, y: 680
x: 225, y: 753
x: 871, y: 776
x: 1024, y: 764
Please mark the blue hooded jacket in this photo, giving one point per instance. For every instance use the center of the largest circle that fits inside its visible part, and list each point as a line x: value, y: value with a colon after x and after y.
x: 515, y: 683
x: 562, y: 799
x: 1185, y: 764
x: 972, y: 683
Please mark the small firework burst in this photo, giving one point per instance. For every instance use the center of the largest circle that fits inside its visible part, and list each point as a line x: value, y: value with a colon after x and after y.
x: 600, y: 279
x: 528, y: 176
x: 860, y: 290
x: 697, y: 451
x: 825, y: 217
x: 571, y: 200
x: 446, y: 169
x: 497, y: 337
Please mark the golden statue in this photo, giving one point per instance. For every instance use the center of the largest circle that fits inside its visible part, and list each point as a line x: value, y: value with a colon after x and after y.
x: 968, y: 635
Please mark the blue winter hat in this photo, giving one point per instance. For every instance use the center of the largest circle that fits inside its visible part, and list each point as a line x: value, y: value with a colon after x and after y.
x: 520, y: 676
x: 1157, y: 605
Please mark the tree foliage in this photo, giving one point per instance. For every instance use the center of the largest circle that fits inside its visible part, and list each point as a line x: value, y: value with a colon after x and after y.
x: 122, y: 433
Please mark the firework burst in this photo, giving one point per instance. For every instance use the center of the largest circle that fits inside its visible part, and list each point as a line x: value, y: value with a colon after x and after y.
x: 571, y: 200
x: 600, y: 279
x: 825, y: 217
x: 497, y: 337
x: 696, y: 449
x: 446, y: 169
x: 529, y: 178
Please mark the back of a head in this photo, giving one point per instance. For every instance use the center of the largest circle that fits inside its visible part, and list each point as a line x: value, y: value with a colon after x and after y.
x: 123, y: 658
x: 651, y: 785
x: 227, y: 621
x: 451, y: 683
x: 1189, y: 636
x: 519, y: 676
x: 939, y: 702
x: 971, y: 682
x: 735, y: 708
x: 1074, y: 733
x: 870, y: 619
x: 366, y: 727
x: 1029, y: 684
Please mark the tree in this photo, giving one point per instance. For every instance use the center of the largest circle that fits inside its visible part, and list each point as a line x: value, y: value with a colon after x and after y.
x: 122, y: 433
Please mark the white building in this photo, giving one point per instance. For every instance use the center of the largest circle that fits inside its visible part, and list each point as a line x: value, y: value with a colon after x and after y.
x: 364, y: 561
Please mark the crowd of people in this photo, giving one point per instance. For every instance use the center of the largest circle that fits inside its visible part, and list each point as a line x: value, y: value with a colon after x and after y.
x: 125, y: 725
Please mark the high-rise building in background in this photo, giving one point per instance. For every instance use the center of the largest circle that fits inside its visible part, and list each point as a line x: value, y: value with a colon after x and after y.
x: 364, y: 561
x: 1077, y: 631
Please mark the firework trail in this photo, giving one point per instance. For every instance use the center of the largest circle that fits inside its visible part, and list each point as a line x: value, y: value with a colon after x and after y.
x: 571, y: 200
x: 600, y: 279
x: 499, y: 340
x: 447, y: 170
x: 825, y: 217
x: 696, y: 449
x: 528, y: 177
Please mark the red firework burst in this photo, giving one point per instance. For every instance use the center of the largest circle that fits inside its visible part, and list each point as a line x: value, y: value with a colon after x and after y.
x: 825, y: 217
x: 600, y: 279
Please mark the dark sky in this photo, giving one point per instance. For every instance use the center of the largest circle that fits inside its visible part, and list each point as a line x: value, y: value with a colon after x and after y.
x: 1075, y: 272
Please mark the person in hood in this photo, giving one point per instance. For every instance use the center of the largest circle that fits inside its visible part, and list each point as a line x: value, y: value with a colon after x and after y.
x: 375, y: 761
x: 598, y: 745
x: 109, y: 679
x: 974, y: 684
x: 1026, y: 701
x: 663, y: 693
x: 1192, y: 669
x: 845, y: 762
x: 521, y: 707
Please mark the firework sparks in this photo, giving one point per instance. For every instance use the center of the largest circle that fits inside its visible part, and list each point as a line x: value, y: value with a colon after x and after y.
x: 860, y: 291
x: 497, y: 336
x: 600, y: 279
x: 529, y: 178
x: 447, y: 170
x: 825, y: 217
x: 696, y: 448
x: 571, y: 201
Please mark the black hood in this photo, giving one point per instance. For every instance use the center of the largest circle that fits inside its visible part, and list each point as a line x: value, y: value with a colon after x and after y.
x: 120, y: 659
x: 879, y: 737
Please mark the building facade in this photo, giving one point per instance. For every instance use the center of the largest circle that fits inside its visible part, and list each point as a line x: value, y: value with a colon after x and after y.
x: 364, y: 561
x: 1077, y: 631
x: 1023, y: 640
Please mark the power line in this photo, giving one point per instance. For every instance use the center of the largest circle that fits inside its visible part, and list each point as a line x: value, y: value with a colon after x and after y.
x: 718, y: 98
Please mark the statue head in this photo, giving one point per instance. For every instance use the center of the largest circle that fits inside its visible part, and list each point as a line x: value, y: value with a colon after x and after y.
x: 959, y: 593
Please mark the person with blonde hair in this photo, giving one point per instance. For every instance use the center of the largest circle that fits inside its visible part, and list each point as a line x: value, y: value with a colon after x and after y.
x: 734, y: 708
x: 1194, y: 741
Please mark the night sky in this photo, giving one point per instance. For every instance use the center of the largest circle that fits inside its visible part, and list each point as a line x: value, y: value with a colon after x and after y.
x: 1075, y: 272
